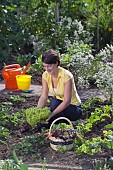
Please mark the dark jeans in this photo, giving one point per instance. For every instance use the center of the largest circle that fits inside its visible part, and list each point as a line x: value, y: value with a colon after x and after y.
x: 72, y: 112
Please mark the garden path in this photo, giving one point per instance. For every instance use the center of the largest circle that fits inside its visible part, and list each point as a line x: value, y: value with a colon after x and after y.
x: 84, y: 93
x: 36, y: 89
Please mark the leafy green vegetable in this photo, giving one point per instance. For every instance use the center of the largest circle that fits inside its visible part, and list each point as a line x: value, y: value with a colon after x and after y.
x: 109, y: 125
x: 61, y: 126
x: 36, y: 115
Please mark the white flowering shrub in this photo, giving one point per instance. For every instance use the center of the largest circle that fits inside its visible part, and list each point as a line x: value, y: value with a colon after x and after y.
x: 104, y: 80
x: 80, y: 62
x: 61, y: 36
x: 104, y: 76
x: 82, y: 83
x: 70, y: 32
x: 70, y: 36
x: 85, y: 67
x: 106, y: 54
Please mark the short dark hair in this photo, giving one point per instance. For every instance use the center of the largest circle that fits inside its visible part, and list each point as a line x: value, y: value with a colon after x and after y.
x: 51, y: 57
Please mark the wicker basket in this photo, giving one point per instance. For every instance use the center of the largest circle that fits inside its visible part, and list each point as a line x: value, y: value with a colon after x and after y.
x: 55, y: 143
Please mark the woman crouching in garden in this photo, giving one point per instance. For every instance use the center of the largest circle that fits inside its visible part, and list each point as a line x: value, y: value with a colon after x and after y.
x: 59, y: 82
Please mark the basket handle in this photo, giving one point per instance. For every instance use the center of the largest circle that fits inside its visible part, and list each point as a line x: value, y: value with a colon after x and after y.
x: 59, y: 119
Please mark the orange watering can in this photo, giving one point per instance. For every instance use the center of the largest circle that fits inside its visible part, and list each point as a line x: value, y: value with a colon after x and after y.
x: 10, y: 72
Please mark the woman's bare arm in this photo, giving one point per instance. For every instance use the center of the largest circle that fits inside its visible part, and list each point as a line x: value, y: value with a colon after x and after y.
x: 44, y: 95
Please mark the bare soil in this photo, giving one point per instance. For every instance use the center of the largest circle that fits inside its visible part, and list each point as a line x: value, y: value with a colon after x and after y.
x: 69, y: 158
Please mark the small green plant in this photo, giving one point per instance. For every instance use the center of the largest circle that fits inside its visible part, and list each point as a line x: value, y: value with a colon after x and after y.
x: 89, y: 147
x: 30, y: 145
x: 62, y: 149
x: 18, y: 118
x: 110, y: 162
x: 100, y: 165
x: 109, y: 126
x: 13, y: 164
x: 17, y: 98
x: 4, y: 133
x: 6, y: 104
x: 108, y: 139
x: 44, y: 165
x: 90, y: 105
x: 7, y: 120
x: 36, y: 115
x: 98, y: 116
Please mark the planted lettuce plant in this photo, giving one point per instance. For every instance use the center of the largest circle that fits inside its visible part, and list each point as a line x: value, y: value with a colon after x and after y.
x: 36, y: 115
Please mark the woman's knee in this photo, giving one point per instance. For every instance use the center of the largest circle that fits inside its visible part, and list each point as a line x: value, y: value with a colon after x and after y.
x: 79, y: 112
x: 79, y: 108
x: 73, y: 112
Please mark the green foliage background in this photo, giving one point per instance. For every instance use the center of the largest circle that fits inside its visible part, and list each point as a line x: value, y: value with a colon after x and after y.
x: 21, y: 20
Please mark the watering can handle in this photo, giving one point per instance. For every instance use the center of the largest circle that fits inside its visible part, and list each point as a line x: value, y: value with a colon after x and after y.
x: 11, y: 66
x: 5, y: 74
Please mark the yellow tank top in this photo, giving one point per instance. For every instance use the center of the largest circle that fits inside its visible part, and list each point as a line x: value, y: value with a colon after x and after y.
x: 63, y: 76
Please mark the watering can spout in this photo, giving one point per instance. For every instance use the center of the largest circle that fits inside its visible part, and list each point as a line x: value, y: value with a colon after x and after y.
x: 26, y: 68
x: 32, y: 61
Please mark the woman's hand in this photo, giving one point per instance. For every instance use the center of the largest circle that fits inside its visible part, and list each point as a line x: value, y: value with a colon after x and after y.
x: 50, y: 116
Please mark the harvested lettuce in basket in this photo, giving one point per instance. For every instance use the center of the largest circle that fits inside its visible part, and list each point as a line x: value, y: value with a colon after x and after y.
x: 63, y: 131
x: 61, y: 126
